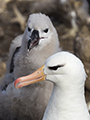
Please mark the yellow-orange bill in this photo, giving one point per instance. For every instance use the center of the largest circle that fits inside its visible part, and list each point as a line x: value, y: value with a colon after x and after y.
x: 37, y: 76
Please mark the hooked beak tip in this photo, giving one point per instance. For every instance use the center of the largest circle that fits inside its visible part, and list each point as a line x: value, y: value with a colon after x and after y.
x: 37, y: 76
x: 16, y: 83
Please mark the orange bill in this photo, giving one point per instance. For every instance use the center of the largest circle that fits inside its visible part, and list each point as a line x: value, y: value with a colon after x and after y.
x: 37, y: 76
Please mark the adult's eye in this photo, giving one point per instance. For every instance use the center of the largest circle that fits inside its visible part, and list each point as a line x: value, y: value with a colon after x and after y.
x: 46, y: 30
x: 55, y: 67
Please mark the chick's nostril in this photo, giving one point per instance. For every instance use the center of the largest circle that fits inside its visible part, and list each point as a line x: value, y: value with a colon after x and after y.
x: 34, y: 40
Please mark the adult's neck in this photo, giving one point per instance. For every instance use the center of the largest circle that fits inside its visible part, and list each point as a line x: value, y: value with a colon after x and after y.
x: 67, y: 104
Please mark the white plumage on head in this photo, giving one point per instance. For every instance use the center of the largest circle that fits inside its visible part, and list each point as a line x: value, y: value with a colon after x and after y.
x: 67, y: 101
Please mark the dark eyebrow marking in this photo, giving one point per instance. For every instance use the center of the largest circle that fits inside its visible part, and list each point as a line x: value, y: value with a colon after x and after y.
x: 55, y: 67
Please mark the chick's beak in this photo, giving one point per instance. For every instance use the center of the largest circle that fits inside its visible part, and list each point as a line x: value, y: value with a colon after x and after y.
x: 34, y: 40
x: 37, y: 76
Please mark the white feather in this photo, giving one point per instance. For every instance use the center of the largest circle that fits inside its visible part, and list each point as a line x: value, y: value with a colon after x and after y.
x: 67, y: 101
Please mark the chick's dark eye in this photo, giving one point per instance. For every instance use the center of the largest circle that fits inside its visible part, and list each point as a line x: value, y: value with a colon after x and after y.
x: 55, y: 67
x: 46, y: 30
x: 29, y: 29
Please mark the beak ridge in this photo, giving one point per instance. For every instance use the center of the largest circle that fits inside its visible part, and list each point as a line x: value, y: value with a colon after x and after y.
x: 34, y: 40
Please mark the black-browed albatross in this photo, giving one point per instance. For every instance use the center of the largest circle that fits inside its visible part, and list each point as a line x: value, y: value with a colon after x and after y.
x: 67, y: 101
x: 27, y: 53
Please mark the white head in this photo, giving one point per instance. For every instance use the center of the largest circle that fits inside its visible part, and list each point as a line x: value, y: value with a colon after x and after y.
x: 39, y: 32
x: 65, y: 68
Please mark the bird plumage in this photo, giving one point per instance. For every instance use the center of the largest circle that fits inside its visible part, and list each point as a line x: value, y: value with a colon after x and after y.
x: 67, y: 101
x: 39, y: 41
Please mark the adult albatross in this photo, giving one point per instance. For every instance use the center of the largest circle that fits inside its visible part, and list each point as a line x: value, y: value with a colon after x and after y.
x: 27, y: 53
x: 67, y: 101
